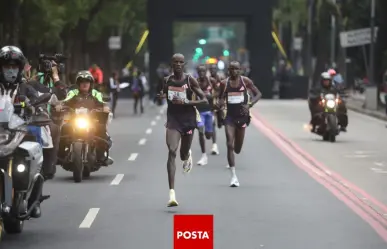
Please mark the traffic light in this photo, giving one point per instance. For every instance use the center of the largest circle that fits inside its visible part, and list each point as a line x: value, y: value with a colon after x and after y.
x: 202, y: 41
x: 226, y: 52
x: 199, y: 51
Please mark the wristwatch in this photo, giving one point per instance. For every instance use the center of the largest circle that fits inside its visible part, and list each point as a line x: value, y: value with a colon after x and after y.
x: 186, y: 101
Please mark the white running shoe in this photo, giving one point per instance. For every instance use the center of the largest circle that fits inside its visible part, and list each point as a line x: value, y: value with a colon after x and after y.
x: 172, y: 199
x: 227, y: 166
x: 215, y: 150
x: 203, y: 161
x: 234, y: 181
x: 187, y: 164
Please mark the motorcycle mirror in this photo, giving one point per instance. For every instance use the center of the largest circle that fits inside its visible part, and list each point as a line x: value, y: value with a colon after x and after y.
x: 41, y: 99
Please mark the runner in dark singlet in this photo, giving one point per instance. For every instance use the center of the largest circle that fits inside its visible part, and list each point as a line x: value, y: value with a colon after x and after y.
x: 182, y: 118
x: 233, y: 92
x: 218, y: 120
x: 205, y: 127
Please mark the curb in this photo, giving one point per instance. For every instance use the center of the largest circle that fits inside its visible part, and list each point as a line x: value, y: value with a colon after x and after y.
x: 378, y: 115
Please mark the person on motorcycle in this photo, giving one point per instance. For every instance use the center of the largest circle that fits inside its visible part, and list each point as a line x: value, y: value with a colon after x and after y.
x: 86, y: 96
x: 12, y: 83
x: 326, y: 86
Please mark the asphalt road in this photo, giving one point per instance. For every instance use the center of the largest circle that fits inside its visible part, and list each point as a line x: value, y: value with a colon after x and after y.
x: 285, y: 200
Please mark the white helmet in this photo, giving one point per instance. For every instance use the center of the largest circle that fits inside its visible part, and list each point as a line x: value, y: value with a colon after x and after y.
x: 326, y: 76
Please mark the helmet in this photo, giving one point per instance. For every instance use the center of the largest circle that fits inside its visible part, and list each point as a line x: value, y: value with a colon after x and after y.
x: 11, y: 55
x: 332, y: 72
x: 325, y: 76
x: 84, y: 75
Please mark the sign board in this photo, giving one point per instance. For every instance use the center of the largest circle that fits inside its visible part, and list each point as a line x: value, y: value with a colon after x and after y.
x: 297, y: 43
x: 115, y: 42
x: 227, y: 33
x: 213, y: 33
x: 357, y: 37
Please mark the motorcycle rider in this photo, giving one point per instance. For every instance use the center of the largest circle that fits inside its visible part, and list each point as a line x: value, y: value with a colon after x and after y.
x: 326, y: 86
x: 12, y: 63
x: 86, y: 96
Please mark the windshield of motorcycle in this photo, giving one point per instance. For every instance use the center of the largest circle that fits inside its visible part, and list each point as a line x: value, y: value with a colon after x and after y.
x: 330, y: 97
x: 6, y: 109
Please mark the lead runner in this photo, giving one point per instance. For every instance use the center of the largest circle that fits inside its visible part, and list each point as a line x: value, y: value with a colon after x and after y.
x: 182, y: 118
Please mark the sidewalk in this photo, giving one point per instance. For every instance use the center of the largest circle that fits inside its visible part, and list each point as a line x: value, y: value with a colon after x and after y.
x: 355, y: 102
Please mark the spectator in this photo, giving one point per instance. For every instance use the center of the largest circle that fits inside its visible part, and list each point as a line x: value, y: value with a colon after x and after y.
x: 114, y: 85
x: 98, y: 77
x: 137, y: 88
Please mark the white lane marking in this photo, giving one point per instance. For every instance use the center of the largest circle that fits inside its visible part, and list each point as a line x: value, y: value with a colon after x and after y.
x: 132, y: 156
x: 142, y: 141
x: 153, y: 123
x: 379, y: 171
x: 357, y: 156
x: 157, y: 117
x: 117, y: 179
x: 148, y: 131
x: 361, y: 152
x: 162, y: 111
x: 379, y: 164
x: 89, y: 219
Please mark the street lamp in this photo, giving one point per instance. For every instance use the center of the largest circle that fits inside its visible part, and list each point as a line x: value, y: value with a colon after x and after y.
x: 202, y: 42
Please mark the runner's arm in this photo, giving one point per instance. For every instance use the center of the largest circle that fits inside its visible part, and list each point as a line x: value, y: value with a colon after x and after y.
x: 196, y: 89
x: 257, y: 94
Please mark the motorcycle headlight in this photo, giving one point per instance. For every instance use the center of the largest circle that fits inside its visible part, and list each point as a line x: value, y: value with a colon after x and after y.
x: 82, y: 123
x: 331, y: 103
x: 21, y: 168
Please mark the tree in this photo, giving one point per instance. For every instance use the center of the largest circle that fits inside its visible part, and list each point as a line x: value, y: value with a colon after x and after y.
x: 72, y: 26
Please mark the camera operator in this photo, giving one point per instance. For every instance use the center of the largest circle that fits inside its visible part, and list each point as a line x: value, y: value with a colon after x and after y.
x: 48, y: 81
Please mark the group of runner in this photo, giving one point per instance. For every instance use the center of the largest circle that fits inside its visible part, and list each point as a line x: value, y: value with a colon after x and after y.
x: 196, y: 104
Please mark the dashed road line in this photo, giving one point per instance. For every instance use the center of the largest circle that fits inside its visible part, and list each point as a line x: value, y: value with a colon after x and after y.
x: 117, y: 179
x: 157, y: 117
x: 142, y: 141
x: 132, y: 156
x: 153, y: 123
x: 89, y: 218
x: 148, y: 131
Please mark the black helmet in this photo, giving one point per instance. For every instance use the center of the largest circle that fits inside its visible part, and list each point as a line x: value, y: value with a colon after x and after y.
x: 12, y: 55
x: 84, y: 75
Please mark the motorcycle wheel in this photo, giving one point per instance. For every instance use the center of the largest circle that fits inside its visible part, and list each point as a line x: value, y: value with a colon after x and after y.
x: 12, y: 225
x: 2, y: 231
x: 332, y: 124
x: 77, y: 161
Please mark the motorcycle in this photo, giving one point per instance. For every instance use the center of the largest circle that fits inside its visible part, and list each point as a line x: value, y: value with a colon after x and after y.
x: 21, y: 160
x: 329, y: 127
x: 81, y: 155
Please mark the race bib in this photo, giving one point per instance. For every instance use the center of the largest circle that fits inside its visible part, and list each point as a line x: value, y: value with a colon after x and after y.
x: 235, y: 97
x: 176, y: 92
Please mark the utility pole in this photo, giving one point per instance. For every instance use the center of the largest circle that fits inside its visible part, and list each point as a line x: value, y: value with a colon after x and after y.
x: 333, y: 37
x: 309, y: 45
x: 372, y: 46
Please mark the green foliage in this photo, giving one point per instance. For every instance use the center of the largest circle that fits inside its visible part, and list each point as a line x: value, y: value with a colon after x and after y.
x: 293, y: 11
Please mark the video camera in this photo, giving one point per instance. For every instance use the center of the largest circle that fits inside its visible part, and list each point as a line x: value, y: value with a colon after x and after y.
x: 45, y: 63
